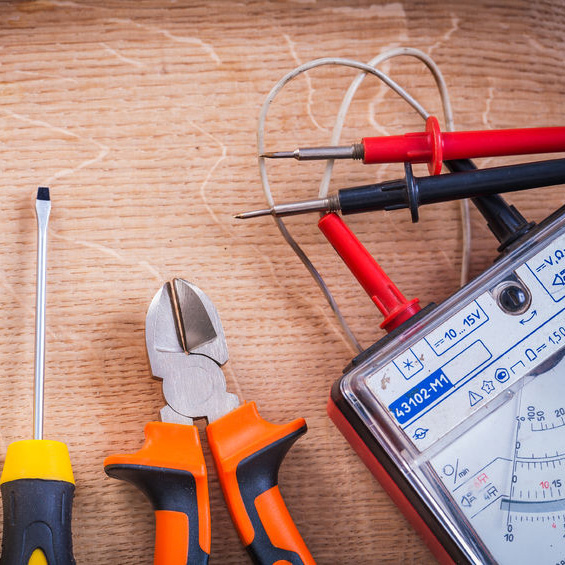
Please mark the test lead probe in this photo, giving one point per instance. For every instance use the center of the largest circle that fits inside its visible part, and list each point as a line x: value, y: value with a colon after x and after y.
x: 412, y: 192
x: 433, y: 146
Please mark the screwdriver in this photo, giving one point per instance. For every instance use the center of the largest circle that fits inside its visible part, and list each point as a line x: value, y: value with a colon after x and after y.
x: 411, y: 192
x: 433, y: 146
x: 37, y: 482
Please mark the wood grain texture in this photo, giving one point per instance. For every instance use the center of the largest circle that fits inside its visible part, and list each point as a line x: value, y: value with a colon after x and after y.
x: 141, y: 117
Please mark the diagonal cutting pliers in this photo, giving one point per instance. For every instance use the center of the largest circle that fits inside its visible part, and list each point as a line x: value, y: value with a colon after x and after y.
x: 187, y: 347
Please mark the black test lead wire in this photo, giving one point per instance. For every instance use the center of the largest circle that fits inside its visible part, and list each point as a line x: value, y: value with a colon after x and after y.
x: 503, y: 219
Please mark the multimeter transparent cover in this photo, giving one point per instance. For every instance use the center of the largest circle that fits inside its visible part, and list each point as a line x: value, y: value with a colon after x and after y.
x: 469, y: 402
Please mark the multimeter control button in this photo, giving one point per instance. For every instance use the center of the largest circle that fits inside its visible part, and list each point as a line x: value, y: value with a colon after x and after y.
x: 513, y: 298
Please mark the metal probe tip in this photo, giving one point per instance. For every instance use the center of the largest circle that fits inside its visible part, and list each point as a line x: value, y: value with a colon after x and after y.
x: 253, y: 214
x: 355, y: 151
x: 280, y: 155
x: 328, y: 204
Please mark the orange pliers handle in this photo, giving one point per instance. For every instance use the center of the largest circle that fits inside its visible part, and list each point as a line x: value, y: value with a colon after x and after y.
x: 248, y: 452
x: 170, y: 470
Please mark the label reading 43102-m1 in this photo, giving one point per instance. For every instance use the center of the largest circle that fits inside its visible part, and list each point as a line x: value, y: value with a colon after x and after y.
x: 421, y: 396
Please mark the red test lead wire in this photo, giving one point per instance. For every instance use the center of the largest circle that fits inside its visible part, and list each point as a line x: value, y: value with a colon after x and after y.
x: 383, y: 292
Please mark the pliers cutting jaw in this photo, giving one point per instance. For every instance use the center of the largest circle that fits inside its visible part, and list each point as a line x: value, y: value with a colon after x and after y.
x: 187, y: 347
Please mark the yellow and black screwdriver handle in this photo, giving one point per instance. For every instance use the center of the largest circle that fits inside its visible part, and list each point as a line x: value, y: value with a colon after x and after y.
x: 247, y: 452
x: 37, y: 486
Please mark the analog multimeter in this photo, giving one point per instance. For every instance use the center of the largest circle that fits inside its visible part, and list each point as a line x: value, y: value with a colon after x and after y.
x: 460, y: 412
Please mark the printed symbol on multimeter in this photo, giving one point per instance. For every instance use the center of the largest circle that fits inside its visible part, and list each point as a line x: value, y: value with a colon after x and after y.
x: 455, y: 472
x: 474, y: 398
x: 558, y: 279
x: 548, y: 271
x: 408, y: 364
x: 420, y: 433
x: 468, y: 499
x: 488, y: 386
x: 502, y: 375
x: 458, y: 327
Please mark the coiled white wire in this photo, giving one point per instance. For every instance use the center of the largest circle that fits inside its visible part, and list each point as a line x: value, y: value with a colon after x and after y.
x: 366, y: 68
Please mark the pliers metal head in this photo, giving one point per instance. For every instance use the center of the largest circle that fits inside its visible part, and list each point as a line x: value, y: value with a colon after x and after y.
x: 187, y: 347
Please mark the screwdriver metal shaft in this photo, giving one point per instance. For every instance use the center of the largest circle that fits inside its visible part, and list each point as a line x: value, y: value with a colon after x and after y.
x: 42, y: 210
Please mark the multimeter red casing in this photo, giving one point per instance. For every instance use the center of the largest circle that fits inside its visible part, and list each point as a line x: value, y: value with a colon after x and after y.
x: 384, y: 445
x: 381, y: 466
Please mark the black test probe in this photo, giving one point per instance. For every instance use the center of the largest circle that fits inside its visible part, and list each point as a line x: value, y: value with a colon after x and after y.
x: 412, y: 192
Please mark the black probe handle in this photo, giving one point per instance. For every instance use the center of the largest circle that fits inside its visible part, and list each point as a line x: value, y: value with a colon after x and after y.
x: 483, y: 182
x: 503, y: 219
x: 370, y: 197
x: 489, y: 203
x: 452, y: 186
x: 37, y: 517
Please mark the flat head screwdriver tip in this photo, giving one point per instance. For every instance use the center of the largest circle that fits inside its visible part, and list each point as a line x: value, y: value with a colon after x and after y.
x: 43, y: 193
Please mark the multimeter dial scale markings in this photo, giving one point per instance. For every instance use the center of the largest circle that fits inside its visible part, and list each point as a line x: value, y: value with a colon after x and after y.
x: 512, y: 489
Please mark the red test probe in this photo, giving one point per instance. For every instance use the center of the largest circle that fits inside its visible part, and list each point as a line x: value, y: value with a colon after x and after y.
x: 433, y: 146
x: 383, y: 292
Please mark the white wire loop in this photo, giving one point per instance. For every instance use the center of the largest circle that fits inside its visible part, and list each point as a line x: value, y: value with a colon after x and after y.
x: 366, y: 68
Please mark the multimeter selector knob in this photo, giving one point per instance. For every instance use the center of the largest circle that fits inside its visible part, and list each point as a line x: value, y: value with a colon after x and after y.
x: 513, y: 297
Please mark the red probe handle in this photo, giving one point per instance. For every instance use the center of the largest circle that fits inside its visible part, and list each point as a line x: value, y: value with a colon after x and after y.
x: 418, y: 147
x: 433, y: 147
x: 383, y: 292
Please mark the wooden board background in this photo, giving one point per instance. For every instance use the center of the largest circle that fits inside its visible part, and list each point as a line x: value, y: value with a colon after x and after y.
x: 141, y: 117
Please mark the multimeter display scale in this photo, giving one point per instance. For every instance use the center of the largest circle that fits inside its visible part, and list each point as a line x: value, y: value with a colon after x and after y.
x: 460, y: 414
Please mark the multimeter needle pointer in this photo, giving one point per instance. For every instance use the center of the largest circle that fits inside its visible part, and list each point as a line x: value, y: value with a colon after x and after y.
x: 411, y: 192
